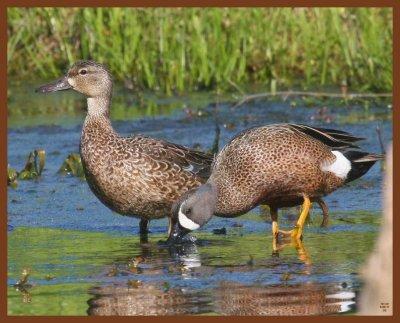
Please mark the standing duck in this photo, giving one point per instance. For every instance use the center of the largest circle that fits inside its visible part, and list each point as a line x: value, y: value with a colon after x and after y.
x: 134, y: 176
x: 279, y: 165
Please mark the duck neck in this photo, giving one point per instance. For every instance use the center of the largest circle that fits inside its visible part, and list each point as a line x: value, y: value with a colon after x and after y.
x: 211, y: 191
x: 98, y: 106
x: 213, y: 187
x: 98, y: 117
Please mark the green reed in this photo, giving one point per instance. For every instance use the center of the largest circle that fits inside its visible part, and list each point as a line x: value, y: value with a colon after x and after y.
x: 180, y: 49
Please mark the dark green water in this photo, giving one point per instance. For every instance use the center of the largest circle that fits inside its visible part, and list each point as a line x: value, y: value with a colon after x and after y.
x: 80, y: 254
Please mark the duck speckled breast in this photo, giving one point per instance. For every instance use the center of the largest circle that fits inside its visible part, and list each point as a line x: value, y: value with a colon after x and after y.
x: 137, y: 176
x: 268, y: 164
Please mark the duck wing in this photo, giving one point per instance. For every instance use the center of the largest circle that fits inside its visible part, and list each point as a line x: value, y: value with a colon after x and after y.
x: 333, y: 138
x: 189, y: 160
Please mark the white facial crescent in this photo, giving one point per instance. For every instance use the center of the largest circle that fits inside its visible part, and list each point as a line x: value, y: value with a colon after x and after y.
x: 186, y: 222
x: 71, y: 81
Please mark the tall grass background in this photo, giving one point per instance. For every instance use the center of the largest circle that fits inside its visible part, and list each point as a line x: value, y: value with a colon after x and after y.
x: 184, y: 49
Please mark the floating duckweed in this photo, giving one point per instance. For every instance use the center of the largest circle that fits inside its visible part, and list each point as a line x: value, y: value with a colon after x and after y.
x: 72, y: 165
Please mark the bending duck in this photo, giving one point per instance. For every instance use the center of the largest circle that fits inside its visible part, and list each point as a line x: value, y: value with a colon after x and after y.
x: 279, y: 165
x: 135, y: 176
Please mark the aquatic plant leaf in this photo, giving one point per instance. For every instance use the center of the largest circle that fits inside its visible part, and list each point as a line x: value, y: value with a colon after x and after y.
x: 24, y: 277
x: 40, y: 160
x: 29, y: 171
x: 72, y: 165
x: 34, y: 165
x: 27, y: 175
x: 12, y: 176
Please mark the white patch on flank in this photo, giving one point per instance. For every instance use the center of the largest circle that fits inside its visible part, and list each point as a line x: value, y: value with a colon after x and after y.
x: 186, y: 222
x: 340, y: 167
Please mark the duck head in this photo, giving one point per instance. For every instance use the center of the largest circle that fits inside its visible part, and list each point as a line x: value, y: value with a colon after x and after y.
x: 193, y: 210
x: 87, y: 77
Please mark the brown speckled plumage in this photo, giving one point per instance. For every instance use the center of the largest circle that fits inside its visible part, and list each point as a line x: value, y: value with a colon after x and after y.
x: 135, y: 176
x: 138, y: 176
x: 271, y: 165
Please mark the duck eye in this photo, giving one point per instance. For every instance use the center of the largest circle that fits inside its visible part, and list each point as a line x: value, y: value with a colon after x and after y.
x: 188, y: 211
x: 83, y: 72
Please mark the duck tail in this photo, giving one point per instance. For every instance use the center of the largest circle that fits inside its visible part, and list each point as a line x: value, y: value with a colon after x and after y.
x: 361, y: 162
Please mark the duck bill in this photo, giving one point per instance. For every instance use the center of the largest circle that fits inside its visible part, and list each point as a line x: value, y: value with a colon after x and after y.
x: 177, y: 233
x: 58, y: 85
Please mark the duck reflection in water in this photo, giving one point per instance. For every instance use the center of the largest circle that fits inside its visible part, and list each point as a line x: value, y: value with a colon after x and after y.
x: 145, y: 292
x: 285, y: 300
x: 228, y: 298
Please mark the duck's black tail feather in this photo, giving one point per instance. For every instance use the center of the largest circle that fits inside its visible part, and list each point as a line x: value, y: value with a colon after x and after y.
x: 333, y: 138
x: 361, y: 162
